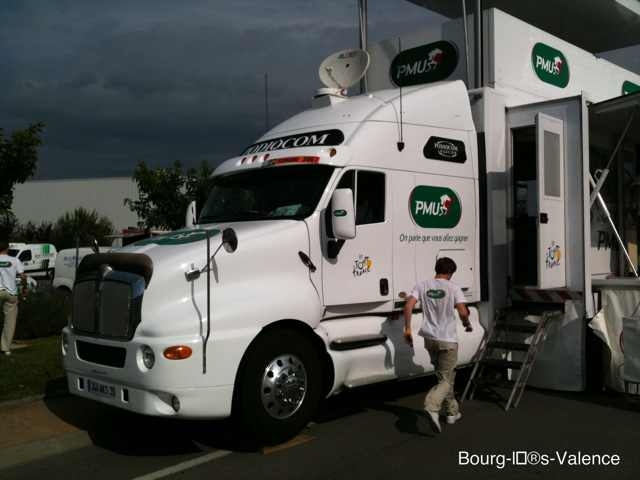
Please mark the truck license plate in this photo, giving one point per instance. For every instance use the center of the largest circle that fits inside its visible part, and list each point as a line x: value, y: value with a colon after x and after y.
x: 101, y: 389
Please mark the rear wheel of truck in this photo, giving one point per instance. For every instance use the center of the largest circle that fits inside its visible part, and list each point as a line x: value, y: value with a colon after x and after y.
x: 280, y: 386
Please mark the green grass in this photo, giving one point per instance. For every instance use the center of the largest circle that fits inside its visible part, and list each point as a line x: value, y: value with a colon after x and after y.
x: 35, y: 369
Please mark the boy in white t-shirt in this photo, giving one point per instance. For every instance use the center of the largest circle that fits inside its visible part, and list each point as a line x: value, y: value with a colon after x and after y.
x: 440, y: 299
x: 10, y: 268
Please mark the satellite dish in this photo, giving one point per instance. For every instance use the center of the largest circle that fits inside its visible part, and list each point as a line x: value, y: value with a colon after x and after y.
x: 343, y: 69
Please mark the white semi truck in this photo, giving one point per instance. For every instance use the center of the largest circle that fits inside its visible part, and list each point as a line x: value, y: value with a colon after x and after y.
x: 334, y: 224
x: 289, y: 287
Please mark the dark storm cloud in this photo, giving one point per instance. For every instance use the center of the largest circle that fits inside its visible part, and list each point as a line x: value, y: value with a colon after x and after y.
x: 159, y: 81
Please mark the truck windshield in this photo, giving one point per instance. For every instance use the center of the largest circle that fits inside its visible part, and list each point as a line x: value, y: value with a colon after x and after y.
x: 13, y: 252
x: 286, y: 192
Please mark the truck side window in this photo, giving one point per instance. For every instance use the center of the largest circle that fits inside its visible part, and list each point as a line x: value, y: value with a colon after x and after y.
x: 25, y: 256
x: 370, y: 197
x: 369, y: 193
x: 348, y: 181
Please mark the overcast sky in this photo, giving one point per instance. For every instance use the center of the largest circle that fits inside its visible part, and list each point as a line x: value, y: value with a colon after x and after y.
x: 119, y: 81
x: 122, y: 81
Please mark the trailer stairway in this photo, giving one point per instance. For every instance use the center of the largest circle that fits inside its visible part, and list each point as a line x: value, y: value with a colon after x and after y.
x: 496, y: 354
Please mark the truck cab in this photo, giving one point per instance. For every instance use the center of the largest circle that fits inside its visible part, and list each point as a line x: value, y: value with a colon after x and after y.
x: 291, y: 285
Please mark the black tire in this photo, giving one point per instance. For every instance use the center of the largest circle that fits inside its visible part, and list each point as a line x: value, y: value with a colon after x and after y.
x: 249, y: 410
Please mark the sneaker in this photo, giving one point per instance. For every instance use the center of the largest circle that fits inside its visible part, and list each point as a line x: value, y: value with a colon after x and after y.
x: 434, y: 420
x: 451, y: 419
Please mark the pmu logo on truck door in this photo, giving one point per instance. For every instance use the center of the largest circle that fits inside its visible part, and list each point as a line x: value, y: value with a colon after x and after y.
x: 435, y: 207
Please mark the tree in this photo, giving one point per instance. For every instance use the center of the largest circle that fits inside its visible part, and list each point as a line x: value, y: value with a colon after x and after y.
x: 82, y: 224
x: 32, y: 233
x: 18, y: 160
x: 164, y: 193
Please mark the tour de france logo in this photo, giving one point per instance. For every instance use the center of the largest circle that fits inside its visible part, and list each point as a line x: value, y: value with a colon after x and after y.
x: 362, y: 265
x: 554, y: 255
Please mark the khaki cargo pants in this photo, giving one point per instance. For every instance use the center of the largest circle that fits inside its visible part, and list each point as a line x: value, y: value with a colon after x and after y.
x: 444, y: 356
x: 9, y: 304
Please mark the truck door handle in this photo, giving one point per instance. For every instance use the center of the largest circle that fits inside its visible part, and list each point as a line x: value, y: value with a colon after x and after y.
x: 384, y: 286
x: 307, y: 261
x: 544, y: 218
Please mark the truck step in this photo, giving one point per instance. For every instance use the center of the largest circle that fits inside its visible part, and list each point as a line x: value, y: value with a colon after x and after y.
x: 520, y: 327
x: 499, y: 363
x: 489, y: 371
x: 521, y: 347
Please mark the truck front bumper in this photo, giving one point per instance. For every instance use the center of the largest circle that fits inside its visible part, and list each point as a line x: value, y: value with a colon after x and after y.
x: 202, y: 402
x: 170, y: 388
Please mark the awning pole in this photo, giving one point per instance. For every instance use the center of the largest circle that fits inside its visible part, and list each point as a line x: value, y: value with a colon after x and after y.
x: 613, y: 227
x: 362, y: 25
x: 466, y: 41
x: 478, y: 45
x: 605, y: 171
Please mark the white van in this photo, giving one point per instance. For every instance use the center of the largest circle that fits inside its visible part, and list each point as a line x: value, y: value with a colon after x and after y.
x: 327, y: 223
x: 37, y: 258
x: 65, y: 266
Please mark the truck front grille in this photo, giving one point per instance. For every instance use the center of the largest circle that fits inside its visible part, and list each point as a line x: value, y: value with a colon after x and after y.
x: 107, y: 304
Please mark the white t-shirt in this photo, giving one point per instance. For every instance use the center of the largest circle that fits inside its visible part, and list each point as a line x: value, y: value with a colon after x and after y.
x: 438, y: 298
x: 10, y: 267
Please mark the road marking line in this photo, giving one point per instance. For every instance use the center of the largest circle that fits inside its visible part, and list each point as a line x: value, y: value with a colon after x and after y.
x: 180, y: 467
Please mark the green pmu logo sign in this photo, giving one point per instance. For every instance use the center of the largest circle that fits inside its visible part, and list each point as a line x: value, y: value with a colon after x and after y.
x: 550, y: 65
x: 435, y: 207
x: 425, y: 64
x: 630, y: 87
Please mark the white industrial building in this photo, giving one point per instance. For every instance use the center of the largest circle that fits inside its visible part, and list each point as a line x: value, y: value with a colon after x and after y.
x: 46, y: 200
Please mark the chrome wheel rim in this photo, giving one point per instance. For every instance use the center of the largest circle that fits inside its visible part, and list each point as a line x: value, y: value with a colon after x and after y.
x: 284, y: 386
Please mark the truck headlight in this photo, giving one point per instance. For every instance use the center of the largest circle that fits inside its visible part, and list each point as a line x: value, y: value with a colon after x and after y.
x: 148, y: 357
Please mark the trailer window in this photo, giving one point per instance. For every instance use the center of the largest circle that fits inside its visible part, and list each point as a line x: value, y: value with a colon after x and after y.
x: 284, y: 192
x: 552, y: 172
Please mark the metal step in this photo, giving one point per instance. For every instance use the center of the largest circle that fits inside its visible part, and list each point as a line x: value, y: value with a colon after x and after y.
x: 520, y: 327
x: 521, y: 347
x: 499, y: 363
x: 486, y: 367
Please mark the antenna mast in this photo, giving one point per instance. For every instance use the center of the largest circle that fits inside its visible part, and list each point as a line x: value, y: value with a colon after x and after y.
x: 266, y: 101
x: 362, y: 24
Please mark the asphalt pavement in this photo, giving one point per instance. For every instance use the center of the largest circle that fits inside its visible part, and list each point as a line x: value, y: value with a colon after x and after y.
x: 373, y: 432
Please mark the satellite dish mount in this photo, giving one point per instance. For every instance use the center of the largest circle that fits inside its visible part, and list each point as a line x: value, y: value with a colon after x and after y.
x: 341, y: 70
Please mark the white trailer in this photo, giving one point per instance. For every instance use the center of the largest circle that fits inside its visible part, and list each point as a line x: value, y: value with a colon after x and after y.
x: 290, y: 286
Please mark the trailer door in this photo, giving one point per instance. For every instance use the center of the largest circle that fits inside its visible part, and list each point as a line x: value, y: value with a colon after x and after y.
x: 551, y: 221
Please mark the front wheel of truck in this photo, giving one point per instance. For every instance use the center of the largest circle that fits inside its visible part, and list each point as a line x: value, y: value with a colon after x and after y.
x: 279, y: 387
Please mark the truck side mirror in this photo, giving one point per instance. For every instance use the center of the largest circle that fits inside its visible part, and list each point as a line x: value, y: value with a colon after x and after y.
x: 190, y: 215
x: 343, y: 219
x: 229, y: 240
